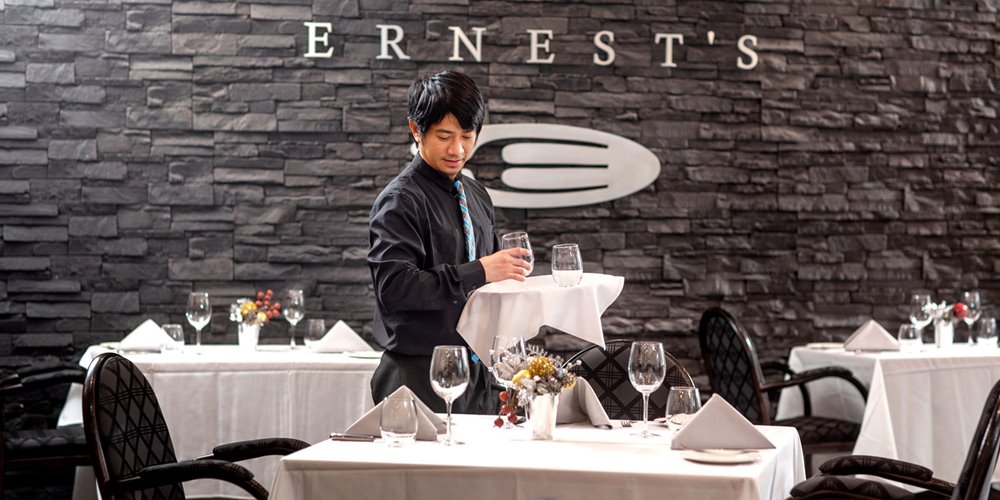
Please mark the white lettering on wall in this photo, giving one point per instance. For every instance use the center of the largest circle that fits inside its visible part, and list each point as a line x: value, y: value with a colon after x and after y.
x: 475, y: 50
x: 609, y: 52
x: 743, y: 44
x: 313, y: 38
x: 385, y: 42
x: 668, y: 59
x: 535, y: 45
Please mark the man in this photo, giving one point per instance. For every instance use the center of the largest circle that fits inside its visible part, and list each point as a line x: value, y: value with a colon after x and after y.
x: 433, y: 243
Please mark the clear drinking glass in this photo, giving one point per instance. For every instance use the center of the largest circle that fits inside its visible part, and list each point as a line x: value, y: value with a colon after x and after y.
x: 682, y: 404
x: 398, y: 420
x: 567, y: 265
x: 294, y: 310
x: 449, y: 378
x: 973, y: 310
x: 647, y: 367
x: 175, y: 343
x: 987, y: 333
x: 920, y: 310
x: 199, y: 313
x: 909, y: 338
x: 315, y: 329
x: 505, y: 356
x: 519, y: 239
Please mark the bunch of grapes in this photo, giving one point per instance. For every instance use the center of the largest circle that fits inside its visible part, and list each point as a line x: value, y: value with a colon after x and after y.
x: 508, y: 408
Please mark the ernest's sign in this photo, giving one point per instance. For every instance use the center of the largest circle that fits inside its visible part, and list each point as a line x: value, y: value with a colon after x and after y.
x: 390, y: 36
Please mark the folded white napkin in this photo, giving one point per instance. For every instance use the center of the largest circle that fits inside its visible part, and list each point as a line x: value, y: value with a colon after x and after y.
x: 146, y: 337
x: 340, y: 338
x: 719, y: 426
x: 580, y: 404
x: 428, y: 423
x: 871, y: 337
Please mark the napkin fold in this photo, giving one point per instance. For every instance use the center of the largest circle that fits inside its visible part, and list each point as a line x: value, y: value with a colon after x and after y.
x: 719, y: 426
x: 340, y: 338
x: 428, y: 423
x: 148, y: 336
x: 581, y: 404
x: 871, y: 336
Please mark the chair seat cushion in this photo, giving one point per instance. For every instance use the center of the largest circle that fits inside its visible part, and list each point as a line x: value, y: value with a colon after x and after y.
x: 823, y: 486
x: 33, y: 443
x: 817, y: 430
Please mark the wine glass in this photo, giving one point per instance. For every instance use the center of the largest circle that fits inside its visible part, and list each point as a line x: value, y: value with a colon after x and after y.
x: 647, y: 367
x: 506, y: 356
x: 920, y: 310
x: 449, y: 378
x: 682, y: 404
x: 519, y: 239
x: 567, y: 265
x: 972, y: 309
x: 199, y: 313
x: 294, y: 310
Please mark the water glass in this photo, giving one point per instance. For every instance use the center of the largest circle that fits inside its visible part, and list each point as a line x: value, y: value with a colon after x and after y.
x: 398, y: 420
x: 987, y: 333
x: 315, y: 330
x: 567, y: 265
x: 682, y: 404
x: 449, y: 378
x: 519, y: 239
x: 909, y: 338
x: 199, y: 313
x: 175, y: 343
x: 294, y: 310
x: 647, y: 367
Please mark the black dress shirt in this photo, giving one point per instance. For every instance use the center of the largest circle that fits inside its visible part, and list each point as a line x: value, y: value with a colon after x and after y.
x: 417, y: 258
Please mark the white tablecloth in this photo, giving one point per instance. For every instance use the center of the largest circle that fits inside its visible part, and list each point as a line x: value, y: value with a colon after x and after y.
x: 922, y: 407
x: 225, y: 394
x: 494, y: 464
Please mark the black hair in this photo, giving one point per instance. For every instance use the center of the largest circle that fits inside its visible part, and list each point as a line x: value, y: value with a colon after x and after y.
x: 431, y: 98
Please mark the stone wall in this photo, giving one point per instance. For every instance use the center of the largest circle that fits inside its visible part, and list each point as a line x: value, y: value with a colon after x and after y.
x: 149, y: 148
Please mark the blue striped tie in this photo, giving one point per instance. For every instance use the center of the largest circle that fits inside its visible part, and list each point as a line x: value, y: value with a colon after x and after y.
x: 463, y: 206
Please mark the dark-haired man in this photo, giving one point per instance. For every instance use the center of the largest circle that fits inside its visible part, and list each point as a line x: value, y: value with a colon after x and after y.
x: 433, y: 243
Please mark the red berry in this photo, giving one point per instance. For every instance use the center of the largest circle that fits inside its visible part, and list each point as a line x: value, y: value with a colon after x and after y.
x: 960, y: 310
x: 498, y: 422
x: 259, y: 303
x: 277, y: 305
x: 260, y: 295
x: 512, y: 418
x: 504, y: 410
x: 504, y: 396
x: 270, y: 292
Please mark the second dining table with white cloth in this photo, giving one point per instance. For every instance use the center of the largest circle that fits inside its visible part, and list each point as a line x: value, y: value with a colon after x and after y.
x: 217, y: 394
x: 923, y: 407
x: 505, y: 464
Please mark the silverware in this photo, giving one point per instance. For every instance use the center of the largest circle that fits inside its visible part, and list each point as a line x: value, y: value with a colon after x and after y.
x: 626, y: 423
x: 339, y: 436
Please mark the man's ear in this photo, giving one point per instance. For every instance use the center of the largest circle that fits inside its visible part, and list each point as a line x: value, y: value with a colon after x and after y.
x: 414, y: 130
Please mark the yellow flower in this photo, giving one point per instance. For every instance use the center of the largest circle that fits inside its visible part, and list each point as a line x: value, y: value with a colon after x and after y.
x: 521, y: 375
x: 248, y: 309
x: 261, y: 317
x: 542, y: 366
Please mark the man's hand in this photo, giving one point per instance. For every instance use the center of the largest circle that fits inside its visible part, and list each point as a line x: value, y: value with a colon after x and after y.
x: 506, y: 264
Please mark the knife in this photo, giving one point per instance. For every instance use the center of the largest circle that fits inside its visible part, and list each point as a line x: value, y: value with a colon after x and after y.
x: 339, y: 436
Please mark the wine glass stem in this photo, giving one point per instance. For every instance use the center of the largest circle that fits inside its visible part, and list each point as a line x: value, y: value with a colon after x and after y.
x: 197, y: 337
x: 447, y: 439
x: 291, y: 335
x: 645, y: 414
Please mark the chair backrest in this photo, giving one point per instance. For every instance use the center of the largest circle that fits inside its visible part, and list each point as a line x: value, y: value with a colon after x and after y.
x: 732, y: 365
x: 607, y: 372
x: 125, y: 427
x: 977, y: 473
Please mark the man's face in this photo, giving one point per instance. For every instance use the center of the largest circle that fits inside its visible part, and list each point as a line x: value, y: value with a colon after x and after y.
x: 445, y: 146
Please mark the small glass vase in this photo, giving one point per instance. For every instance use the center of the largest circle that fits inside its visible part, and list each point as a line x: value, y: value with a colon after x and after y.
x: 944, y: 333
x: 249, y: 333
x: 542, y: 418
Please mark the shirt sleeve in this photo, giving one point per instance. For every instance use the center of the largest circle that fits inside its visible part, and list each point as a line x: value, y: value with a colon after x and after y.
x: 397, y: 254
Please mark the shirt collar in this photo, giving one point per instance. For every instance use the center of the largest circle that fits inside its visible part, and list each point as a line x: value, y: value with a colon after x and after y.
x: 437, y: 178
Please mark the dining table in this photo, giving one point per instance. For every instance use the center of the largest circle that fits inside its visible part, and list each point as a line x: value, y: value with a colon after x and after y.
x: 215, y: 394
x: 581, y: 461
x: 923, y: 405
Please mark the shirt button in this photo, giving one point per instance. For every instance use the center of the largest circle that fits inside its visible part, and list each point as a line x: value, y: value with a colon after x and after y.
x: 454, y: 302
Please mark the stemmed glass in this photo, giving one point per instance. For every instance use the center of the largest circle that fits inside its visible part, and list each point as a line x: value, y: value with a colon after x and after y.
x: 519, y: 239
x: 294, y: 310
x: 506, y: 355
x: 647, y: 367
x: 199, y: 313
x: 920, y: 310
x: 972, y: 309
x: 449, y: 378
x: 567, y: 266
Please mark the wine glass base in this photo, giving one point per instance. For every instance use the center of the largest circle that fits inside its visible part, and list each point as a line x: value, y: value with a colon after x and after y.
x: 645, y: 434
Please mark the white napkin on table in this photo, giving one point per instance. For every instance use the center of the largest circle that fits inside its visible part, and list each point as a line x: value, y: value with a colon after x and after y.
x: 428, y: 423
x: 719, y: 426
x: 871, y: 336
x: 340, y: 338
x: 581, y: 404
x: 146, y: 337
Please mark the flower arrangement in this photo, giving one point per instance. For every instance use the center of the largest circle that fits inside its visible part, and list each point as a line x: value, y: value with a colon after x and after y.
x: 537, y: 374
x: 255, y: 311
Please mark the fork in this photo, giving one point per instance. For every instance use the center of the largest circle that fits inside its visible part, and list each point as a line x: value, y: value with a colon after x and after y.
x: 626, y: 423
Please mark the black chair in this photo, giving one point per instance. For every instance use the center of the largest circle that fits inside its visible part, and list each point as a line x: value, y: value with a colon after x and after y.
x: 735, y: 374
x: 973, y: 481
x: 607, y: 372
x: 28, y: 447
x: 134, y: 456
